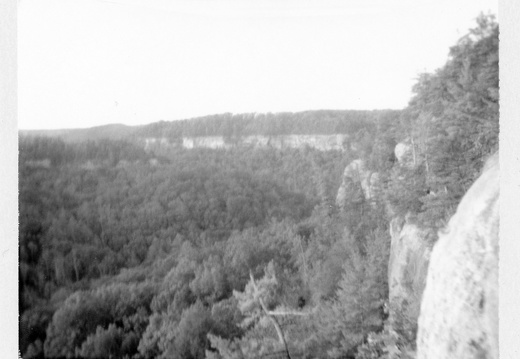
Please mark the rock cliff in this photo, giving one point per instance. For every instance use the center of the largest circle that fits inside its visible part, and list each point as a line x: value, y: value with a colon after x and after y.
x: 410, y: 250
x: 358, y: 184
x: 405, y: 153
x: 459, y: 311
x: 319, y: 142
x: 407, y: 267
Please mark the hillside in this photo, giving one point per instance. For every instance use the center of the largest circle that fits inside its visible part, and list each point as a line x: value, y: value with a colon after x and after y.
x: 242, y: 251
x: 324, y: 129
x: 113, y: 131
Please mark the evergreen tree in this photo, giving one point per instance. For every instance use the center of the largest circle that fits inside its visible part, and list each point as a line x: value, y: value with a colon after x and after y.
x: 357, y: 308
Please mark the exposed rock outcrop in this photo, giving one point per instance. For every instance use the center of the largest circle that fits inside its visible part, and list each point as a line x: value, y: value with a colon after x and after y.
x: 152, y: 142
x: 401, y: 151
x: 358, y: 184
x: 205, y: 142
x: 319, y: 142
x: 407, y: 267
x: 459, y: 311
x: 404, y: 153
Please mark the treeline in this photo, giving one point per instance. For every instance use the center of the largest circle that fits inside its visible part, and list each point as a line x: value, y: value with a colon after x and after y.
x: 233, y: 126
x: 451, y: 126
x: 270, y: 124
x: 240, y: 253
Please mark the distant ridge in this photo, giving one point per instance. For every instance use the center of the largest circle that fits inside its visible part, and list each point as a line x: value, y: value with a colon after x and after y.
x: 231, y: 126
x: 110, y: 131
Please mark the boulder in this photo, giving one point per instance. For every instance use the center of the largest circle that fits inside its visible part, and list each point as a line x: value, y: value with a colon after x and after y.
x: 459, y: 310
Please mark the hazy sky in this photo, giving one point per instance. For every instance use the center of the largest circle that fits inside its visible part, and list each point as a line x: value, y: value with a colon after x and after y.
x: 84, y: 63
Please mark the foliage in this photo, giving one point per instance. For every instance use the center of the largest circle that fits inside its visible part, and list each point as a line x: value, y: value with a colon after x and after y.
x: 191, y: 334
x: 105, y: 343
x: 395, y: 341
x: 242, y: 252
x: 86, y: 317
x: 452, y: 126
x: 233, y: 126
x: 357, y: 307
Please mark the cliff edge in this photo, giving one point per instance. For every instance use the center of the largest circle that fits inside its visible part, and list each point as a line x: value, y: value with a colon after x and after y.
x: 407, y: 268
x: 459, y: 309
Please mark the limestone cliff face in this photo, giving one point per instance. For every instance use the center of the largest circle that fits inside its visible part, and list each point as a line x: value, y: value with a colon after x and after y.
x: 407, y: 267
x: 405, y: 153
x: 319, y: 142
x: 154, y: 143
x: 409, y: 253
x: 358, y: 184
x: 205, y: 142
x: 402, y: 151
x: 459, y: 311
x: 409, y: 258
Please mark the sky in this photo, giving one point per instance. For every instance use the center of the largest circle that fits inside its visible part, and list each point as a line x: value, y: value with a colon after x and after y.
x: 84, y: 63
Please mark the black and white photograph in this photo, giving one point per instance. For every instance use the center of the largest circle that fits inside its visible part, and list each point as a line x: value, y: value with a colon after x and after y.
x: 259, y: 179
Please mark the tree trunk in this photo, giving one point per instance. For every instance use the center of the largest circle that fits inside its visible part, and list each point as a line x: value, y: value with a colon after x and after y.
x: 272, y: 318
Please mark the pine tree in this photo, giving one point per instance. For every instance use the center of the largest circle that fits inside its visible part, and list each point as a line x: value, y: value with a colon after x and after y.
x: 356, y: 309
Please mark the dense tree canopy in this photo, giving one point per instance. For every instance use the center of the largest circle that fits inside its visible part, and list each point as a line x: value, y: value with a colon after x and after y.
x: 242, y: 252
x: 452, y: 124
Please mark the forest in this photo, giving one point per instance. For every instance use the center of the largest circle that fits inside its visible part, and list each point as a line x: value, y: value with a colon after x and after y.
x: 244, y: 252
x: 233, y: 127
